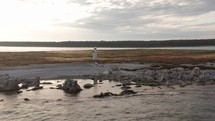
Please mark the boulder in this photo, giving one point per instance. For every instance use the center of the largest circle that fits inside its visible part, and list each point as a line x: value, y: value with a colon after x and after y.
x: 31, y: 82
x: 196, y: 71
x: 87, y: 86
x: 8, y: 83
x: 71, y: 86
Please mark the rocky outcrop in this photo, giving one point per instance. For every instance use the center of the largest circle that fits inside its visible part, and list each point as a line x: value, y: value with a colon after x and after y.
x: 164, y: 76
x: 8, y: 83
x: 71, y: 86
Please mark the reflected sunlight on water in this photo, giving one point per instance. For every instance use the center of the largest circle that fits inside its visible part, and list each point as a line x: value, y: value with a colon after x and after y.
x: 190, y: 103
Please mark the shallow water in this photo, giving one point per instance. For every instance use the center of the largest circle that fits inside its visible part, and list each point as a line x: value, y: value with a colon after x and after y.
x: 192, y: 103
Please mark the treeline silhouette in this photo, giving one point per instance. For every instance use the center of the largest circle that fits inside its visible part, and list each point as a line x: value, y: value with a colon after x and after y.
x: 119, y: 44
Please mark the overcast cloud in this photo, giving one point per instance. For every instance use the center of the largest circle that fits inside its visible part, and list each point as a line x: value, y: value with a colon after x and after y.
x: 119, y: 19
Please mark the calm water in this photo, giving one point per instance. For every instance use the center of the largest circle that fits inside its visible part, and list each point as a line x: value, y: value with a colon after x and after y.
x: 192, y: 103
x: 27, y: 49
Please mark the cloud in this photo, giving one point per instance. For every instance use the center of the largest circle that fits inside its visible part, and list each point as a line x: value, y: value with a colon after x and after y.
x: 127, y: 19
x: 146, y: 17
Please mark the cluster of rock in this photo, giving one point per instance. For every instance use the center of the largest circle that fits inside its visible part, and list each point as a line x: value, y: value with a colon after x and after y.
x: 156, y: 77
x: 8, y: 83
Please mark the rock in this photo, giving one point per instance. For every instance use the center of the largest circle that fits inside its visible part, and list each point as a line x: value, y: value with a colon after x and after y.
x: 46, y: 83
x: 196, y: 71
x: 118, y: 85
x: 87, y: 86
x: 24, y: 86
x: 8, y: 83
x: 37, y: 88
x: 59, y: 99
x: 139, y: 85
x: 59, y: 86
x: 26, y: 99
x: 106, y: 94
x: 19, y: 91
x: 125, y: 87
x: 31, y: 82
x: 127, y: 92
x: 1, y: 100
x: 71, y: 86
x: 52, y: 88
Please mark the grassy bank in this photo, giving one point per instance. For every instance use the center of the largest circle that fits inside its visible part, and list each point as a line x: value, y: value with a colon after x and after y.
x: 140, y: 55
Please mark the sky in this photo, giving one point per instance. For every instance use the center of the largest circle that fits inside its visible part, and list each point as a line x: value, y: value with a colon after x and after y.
x: 60, y: 20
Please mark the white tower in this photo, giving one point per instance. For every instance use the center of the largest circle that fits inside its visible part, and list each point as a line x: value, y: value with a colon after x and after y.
x: 94, y: 54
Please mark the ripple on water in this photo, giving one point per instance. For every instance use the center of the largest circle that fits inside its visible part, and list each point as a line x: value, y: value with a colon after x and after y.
x: 189, y: 103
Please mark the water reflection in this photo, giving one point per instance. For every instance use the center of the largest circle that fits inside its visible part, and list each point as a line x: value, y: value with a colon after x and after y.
x: 189, y: 103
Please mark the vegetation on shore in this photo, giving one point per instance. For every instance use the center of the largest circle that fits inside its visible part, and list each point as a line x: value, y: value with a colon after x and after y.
x: 121, y: 44
x: 110, y: 56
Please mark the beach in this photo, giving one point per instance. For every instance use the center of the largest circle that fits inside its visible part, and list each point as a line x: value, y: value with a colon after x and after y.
x: 163, y: 91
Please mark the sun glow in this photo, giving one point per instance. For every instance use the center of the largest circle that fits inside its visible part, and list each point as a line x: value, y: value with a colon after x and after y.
x: 21, y: 18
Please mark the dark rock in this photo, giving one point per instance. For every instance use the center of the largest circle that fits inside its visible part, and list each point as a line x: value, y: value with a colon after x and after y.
x: 24, y: 86
x: 26, y: 99
x: 139, y: 85
x: 52, y: 88
x: 8, y: 83
x: 127, y: 92
x: 118, y: 85
x: 1, y: 100
x: 46, y: 83
x: 31, y: 82
x: 19, y: 91
x: 125, y: 87
x: 106, y: 94
x: 37, y: 88
x: 71, y: 86
x: 59, y: 99
x: 87, y: 86
x: 59, y: 86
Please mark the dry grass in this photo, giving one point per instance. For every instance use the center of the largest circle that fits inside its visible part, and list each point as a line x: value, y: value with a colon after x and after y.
x: 140, y: 55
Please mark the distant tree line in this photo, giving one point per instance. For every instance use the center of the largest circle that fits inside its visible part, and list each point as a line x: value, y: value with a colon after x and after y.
x: 124, y: 44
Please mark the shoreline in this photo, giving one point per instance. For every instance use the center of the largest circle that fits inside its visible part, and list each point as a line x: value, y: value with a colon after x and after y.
x: 152, y: 74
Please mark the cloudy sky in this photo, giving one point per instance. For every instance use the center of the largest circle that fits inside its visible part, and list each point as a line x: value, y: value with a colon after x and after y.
x: 56, y: 20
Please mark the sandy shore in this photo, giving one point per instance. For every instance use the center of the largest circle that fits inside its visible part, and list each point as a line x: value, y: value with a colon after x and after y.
x: 52, y: 71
